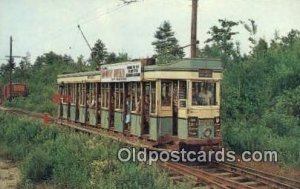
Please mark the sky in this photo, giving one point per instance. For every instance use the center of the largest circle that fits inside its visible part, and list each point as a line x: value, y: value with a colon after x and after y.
x: 40, y: 26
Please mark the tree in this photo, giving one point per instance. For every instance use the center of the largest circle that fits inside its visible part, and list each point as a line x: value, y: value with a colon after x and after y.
x: 166, y: 45
x: 51, y: 58
x: 4, y: 73
x: 23, y: 71
x: 113, y: 58
x: 260, y: 49
x: 81, y: 64
x: 99, y: 54
x: 252, y: 29
x: 221, y: 37
x: 209, y: 51
x: 290, y: 39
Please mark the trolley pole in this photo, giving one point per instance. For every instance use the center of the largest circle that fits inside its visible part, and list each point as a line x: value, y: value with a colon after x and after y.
x: 194, y: 29
x: 88, y: 44
x: 10, y: 69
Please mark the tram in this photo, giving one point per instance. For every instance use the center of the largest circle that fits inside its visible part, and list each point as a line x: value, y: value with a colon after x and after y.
x: 176, y: 103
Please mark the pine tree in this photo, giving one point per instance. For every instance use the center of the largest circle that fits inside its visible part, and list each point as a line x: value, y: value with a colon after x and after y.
x: 99, y: 53
x: 166, y: 45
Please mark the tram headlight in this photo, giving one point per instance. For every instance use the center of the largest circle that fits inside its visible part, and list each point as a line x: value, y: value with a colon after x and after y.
x: 217, y: 120
x: 207, y: 132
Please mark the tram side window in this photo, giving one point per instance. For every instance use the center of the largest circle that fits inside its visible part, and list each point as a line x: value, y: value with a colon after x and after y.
x: 88, y: 93
x: 166, y: 94
x: 91, y: 95
x: 76, y: 93
x: 129, y: 92
x: 64, y: 90
x: 65, y: 94
x: 138, y: 97
x: 68, y: 93
x: 99, y: 95
x: 117, y: 96
x: 182, y: 89
x: 121, y: 95
x: 133, y: 100
x: 107, y: 96
x: 135, y: 96
x: 203, y: 93
x: 102, y: 95
x: 87, y: 98
x: 85, y: 90
x: 153, y: 97
x: 138, y: 93
x: 71, y: 93
x: 147, y: 89
x: 79, y: 93
x: 106, y: 101
x: 82, y: 94
x: 94, y: 96
x: 105, y: 93
x: 147, y: 99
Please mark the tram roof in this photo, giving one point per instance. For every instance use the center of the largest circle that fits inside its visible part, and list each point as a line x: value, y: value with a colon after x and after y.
x: 78, y: 74
x: 178, y: 65
x: 187, y: 65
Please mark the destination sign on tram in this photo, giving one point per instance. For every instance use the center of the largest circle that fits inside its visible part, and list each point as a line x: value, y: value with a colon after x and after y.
x: 130, y: 71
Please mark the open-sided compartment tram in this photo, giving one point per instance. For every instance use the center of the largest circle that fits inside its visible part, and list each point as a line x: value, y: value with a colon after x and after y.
x: 79, y: 97
x: 177, y: 102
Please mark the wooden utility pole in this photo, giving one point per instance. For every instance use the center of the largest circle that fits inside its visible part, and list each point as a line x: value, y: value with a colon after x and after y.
x: 10, y: 68
x: 194, y: 29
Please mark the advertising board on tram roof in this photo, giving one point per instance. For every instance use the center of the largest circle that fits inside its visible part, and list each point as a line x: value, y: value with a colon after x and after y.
x: 125, y: 72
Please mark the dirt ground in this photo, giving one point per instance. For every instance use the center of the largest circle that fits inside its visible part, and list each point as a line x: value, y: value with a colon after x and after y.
x: 9, y: 174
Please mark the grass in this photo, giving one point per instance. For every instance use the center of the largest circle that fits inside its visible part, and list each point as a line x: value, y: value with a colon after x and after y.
x: 66, y: 159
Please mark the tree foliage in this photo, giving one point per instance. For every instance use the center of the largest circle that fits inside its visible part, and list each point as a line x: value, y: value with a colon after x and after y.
x: 252, y: 29
x: 166, y: 45
x: 98, y: 54
x: 41, y: 80
x: 115, y: 58
x: 221, y: 44
x: 260, y: 99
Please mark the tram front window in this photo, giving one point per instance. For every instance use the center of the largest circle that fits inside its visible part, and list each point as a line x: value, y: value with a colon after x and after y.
x: 166, y: 94
x: 153, y: 97
x: 203, y: 93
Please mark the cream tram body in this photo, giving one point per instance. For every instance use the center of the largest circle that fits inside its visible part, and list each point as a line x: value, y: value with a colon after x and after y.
x: 179, y: 101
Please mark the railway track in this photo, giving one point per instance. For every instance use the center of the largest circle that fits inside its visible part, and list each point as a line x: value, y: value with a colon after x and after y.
x: 214, y: 175
x: 265, y: 178
x: 229, y: 175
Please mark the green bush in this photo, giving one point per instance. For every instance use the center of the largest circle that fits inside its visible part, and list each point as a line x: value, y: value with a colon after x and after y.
x: 70, y: 163
x: 261, y: 102
x: 68, y: 159
x: 38, y: 166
